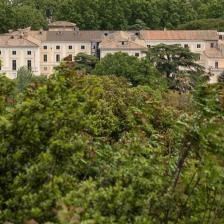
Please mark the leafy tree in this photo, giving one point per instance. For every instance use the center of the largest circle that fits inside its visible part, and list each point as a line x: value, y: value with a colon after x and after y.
x: 66, y: 66
x: 172, y: 59
x: 109, y: 15
x: 139, y: 25
x: 221, y: 77
x: 85, y: 63
x: 6, y: 92
x: 204, y: 24
x: 6, y: 14
x: 135, y: 70
x: 27, y: 16
x: 85, y: 148
x: 23, y: 79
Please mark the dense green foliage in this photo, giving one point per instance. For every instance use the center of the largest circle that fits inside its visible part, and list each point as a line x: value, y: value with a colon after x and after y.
x: 94, y: 149
x: 204, y: 24
x: 172, y: 59
x: 85, y: 63
x: 111, y: 14
x: 221, y: 77
x: 136, y: 71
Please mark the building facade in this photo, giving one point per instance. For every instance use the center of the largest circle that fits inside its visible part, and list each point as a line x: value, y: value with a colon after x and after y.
x: 42, y: 50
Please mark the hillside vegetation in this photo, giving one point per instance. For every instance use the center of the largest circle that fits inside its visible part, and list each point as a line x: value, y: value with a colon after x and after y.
x: 110, y: 14
x: 124, y: 147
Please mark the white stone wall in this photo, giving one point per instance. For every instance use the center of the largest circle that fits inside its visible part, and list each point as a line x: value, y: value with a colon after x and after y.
x: 64, y: 51
x: 192, y: 44
x: 21, y: 58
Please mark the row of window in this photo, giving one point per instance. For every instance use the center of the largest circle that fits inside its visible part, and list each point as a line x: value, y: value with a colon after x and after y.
x: 14, y: 52
x: 83, y: 47
x: 187, y: 45
x: 29, y: 62
x: 14, y: 65
x: 58, y: 58
x: 70, y: 47
x: 212, y: 45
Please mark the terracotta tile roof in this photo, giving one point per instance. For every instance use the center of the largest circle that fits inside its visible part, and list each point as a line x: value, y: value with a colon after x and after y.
x: 122, y: 40
x: 179, y: 35
x: 213, y: 53
x: 17, y: 41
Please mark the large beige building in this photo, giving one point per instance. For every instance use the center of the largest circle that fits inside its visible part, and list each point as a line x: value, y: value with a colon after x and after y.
x: 42, y: 50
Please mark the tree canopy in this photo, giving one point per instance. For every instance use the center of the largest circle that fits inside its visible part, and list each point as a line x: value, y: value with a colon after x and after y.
x: 111, y: 14
x: 136, y: 71
x: 93, y: 149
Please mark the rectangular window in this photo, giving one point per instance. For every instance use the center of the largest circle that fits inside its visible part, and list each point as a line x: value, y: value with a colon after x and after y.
x: 45, y: 68
x: 45, y: 58
x: 45, y: 47
x: 57, y: 47
x: 0, y: 52
x: 220, y: 37
x: 57, y: 57
x: 216, y: 64
x: 198, y: 45
x: 28, y: 52
x: 186, y: 46
x: 70, y: 47
x: 83, y: 47
x: 13, y: 52
x: 212, y: 45
x: 14, y: 65
x: 29, y: 64
x: 136, y: 54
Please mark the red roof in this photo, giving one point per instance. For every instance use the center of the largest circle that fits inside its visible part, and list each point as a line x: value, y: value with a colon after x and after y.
x: 179, y: 34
